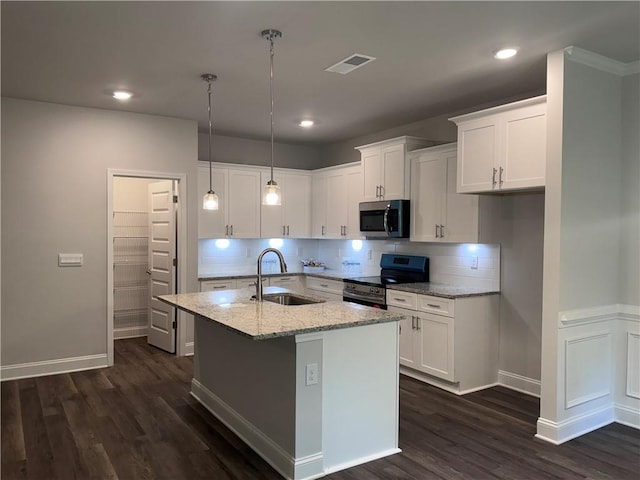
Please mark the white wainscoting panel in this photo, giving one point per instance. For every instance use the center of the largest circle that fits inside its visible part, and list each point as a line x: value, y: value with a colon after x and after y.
x: 633, y: 365
x: 588, y: 366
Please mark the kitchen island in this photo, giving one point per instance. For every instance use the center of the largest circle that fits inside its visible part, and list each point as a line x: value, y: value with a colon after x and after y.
x: 311, y: 388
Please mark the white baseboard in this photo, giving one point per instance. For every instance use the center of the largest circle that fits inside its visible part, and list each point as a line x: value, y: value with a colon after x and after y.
x: 362, y: 460
x: 53, y: 367
x: 131, y: 332
x: 189, y: 349
x: 521, y: 384
x: 560, y: 432
x: 627, y: 416
x: 443, y: 384
x: 271, y: 452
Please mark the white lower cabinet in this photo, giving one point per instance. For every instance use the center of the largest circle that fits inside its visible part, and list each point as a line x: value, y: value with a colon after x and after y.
x: 213, y: 285
x: 293, y: 283
x: 330, y: 290
x: 452, y: 344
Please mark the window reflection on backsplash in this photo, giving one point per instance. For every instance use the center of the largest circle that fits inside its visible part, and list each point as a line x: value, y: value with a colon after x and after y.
x: 473, y: 265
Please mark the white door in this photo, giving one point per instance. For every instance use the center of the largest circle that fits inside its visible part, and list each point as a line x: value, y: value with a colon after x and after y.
x: 162, y: 255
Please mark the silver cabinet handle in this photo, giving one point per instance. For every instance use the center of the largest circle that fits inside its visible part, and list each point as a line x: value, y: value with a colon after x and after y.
x: 226, y: 230
x: 148, y: 271
x: 324, y: 230
x: 418, y: 323
x: 378, y: 193
x: 399, y: 299
x: 500, y: 177
x: 220, y: 287
x: 493, y: 178
x: 283, y: 230
x: 231, y: 230
x: 437, y: 234
x: 433, y: 305
x: 324, y: 285
x: 287, y: 230
x: 441, y: 231
x: 382, y: 191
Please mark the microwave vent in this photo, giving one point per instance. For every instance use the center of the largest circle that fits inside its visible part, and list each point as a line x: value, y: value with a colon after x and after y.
x: 350, y: 63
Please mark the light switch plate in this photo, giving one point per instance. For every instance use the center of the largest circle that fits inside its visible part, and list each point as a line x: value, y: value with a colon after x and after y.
x: 311, y: 374
x: 70, y: 259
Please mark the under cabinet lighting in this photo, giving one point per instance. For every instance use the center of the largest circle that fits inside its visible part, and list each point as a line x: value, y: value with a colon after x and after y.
x: 306, y: 123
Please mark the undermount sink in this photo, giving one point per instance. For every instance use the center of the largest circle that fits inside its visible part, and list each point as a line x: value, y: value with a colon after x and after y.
x: 289, y: 299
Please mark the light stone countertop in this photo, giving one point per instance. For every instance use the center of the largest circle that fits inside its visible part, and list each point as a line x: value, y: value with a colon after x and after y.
x: 234, y: 310
x: 442, y: 290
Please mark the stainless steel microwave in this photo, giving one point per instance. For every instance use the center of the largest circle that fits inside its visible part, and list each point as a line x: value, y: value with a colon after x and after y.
x: 385, y: 219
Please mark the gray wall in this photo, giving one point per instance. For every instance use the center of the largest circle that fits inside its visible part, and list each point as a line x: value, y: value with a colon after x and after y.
x: 516, y: 222
x: 54, y: 199
x: 257, y: 152
x: 630, y: 234
x: 591, y: 188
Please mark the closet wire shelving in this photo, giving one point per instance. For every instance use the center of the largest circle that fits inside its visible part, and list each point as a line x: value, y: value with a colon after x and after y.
x: 130, y: 279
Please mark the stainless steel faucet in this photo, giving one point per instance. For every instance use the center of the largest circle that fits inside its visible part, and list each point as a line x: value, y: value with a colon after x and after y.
x: 283, y: 269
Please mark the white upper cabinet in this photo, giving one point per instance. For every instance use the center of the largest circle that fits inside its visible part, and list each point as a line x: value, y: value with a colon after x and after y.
x: 385, y: 168
x: 238, y: 215
x: 336, y: 192
x: 502, y: 148
x: 292, y: 218
x: 438, y: 212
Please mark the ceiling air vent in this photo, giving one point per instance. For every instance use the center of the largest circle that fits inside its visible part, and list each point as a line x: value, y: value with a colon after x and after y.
x: 350, y: 63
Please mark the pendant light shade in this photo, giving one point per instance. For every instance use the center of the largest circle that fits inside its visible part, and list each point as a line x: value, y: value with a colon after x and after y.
x: 271, y: 194
x: 210, y: 199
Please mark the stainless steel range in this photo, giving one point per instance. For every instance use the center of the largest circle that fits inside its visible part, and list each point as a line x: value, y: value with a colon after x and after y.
x: 394, y: 268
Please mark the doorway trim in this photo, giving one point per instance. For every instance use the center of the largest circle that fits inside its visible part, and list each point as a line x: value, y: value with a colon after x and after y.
x: 181, y: 178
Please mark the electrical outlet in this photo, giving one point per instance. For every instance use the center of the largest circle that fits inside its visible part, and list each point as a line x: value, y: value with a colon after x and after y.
x: 311, y: 372
x: 474, y: 263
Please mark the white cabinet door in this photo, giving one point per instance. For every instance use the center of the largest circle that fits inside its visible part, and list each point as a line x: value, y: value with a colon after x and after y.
x: 319, y: 205
x: 370, y: 164
x: 407, y: 339
x: 428, y: 194
x: 337, y: 199
x: 354, y: 197
x: 436, y: 345
x: 272, y: 216
x: 460, y: 213
x: 525, y: 138
x: 244, y: 203
x: 297, y: 205
x: 214, y: 285
x: 292, y: 283
x: 477, y: 153
x: 393, y: 173
x: 502, y: 148
x: 212, y: 223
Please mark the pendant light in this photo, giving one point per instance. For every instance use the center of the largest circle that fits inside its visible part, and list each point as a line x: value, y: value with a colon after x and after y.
x: 271, y: 194
x: 210, y: 199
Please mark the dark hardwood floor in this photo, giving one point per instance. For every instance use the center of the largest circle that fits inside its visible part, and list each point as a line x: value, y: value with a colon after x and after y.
x: 137, y: 420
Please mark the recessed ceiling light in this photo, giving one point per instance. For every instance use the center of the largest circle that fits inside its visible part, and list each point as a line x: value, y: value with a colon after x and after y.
x: 306, y: 123
x: 505, y: 53
x: 122, y: 95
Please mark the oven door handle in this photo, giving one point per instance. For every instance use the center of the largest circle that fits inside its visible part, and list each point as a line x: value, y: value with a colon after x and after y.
x: 365, y: 298
x: 386, y: 219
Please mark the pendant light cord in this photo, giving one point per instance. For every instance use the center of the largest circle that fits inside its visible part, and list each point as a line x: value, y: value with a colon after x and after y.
x: 271, y: 93
x: 210, y: 163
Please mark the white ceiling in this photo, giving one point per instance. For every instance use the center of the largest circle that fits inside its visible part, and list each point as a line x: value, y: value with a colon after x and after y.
x: 432, y: 57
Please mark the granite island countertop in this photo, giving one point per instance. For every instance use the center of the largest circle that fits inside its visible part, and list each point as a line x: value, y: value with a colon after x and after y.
x: 442, y: 290
x: 234, y: 310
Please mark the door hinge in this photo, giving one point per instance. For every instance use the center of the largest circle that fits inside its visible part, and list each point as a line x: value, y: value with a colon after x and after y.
x: 175, y: 324
x: 175, y: 199
x: 175, y: 262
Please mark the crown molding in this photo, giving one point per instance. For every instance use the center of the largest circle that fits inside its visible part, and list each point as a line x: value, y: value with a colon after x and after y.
x: 601, y: 62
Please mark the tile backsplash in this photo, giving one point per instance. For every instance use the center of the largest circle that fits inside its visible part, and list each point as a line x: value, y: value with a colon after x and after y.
x: 472, y: 265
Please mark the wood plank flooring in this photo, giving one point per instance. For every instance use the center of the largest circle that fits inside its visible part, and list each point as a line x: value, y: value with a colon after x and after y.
x: 137, y: 420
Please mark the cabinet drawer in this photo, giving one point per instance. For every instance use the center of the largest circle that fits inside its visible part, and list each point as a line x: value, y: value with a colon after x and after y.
x: 214, y: 285
x: 248, y: 282
x: 437, y: 305
x: 324, y: 285
x: 397, y: 298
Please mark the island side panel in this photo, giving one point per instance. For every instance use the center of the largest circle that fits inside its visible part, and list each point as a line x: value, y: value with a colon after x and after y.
x: 250, y: 386
x: 360, y: 395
